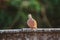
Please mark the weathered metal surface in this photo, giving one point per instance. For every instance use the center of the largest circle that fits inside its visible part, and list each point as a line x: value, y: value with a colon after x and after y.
x: 28, y: 34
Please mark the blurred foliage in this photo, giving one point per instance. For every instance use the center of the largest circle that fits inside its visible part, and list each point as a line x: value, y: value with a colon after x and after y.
x: 13, y: 13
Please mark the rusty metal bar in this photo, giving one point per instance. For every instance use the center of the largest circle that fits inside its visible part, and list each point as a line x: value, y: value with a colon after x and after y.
x: 28, y: 34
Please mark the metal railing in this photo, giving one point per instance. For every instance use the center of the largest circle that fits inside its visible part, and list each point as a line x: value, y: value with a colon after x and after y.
x: 28, y: 34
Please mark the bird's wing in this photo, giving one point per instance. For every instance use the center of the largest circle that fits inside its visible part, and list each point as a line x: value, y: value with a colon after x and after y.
x: 32, y: 23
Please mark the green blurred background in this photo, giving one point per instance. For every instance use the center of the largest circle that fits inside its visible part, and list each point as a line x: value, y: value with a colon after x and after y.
x: 14, y: 13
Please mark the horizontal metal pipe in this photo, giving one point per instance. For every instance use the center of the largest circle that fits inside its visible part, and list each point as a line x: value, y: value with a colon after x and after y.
x: 29, y: 30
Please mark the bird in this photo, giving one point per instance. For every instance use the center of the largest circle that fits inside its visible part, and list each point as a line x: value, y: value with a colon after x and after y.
x: 31, y: 22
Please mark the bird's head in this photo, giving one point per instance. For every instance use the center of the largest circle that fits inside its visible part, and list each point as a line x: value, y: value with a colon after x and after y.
x: 29, y: 16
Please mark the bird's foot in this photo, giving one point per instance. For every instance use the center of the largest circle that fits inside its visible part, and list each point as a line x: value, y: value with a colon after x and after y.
x: 34, y: 29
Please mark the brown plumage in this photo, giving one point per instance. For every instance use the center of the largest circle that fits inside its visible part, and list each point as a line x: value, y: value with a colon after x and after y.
x: 31, y: 22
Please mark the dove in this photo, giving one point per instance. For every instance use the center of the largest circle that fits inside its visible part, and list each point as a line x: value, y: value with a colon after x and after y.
x: 31, y: 22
